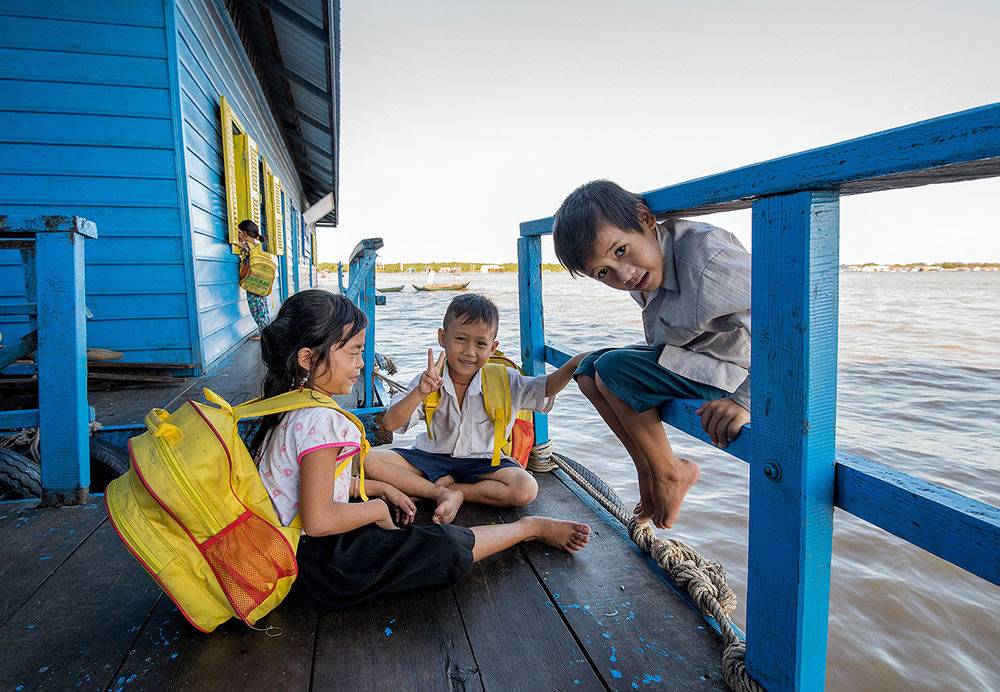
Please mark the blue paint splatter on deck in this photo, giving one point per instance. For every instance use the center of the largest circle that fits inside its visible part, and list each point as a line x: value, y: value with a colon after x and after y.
x: 173, y: 656
x: 647, y: 679
x: 47, y: 557
x: 613, y: 658
x: 388, y: 631
x: 615, y: 673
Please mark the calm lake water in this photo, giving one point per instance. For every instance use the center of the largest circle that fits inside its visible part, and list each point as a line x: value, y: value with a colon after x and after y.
x: 919, y: 390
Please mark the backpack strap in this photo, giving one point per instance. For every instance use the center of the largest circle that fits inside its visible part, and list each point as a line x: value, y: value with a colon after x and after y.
x: 496, y: 396
x: 290, y: 401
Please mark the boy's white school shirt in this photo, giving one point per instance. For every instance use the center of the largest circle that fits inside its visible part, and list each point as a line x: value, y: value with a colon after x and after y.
x: 700, y: 312
x: 468, y: 433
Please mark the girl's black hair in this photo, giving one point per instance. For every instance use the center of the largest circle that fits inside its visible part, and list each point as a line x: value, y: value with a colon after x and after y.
x: 472, y: 307
x: 583, y: 212
x: 313, y: 319
x: 250, y: 228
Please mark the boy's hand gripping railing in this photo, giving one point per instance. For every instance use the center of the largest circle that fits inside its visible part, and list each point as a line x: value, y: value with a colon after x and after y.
x: 53, y: 260
x: 361, y: 291
x: 796, y: 474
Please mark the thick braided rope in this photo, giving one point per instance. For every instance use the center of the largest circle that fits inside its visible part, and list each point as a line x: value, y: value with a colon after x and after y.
x: 704, y: 580
x: 540, y: 459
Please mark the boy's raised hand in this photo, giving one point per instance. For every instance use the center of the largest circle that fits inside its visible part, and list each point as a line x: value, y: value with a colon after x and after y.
x: 431, y: 379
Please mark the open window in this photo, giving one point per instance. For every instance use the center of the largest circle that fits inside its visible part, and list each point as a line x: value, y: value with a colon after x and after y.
x: 243, y: 173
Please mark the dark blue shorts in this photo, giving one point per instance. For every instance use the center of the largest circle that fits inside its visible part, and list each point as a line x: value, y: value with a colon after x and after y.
x: 435, y: 466
x: 633, y: 375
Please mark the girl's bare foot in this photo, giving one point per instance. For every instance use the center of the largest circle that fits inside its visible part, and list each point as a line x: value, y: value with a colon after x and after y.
x: 448, y: 502
x: 669, y: 492
x: 565, y: 535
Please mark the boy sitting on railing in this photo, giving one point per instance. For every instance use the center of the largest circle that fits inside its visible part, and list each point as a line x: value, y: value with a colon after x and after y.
x: 692, y: 281
x: 452, y: 461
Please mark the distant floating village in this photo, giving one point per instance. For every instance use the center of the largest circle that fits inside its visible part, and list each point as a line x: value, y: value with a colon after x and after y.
x: 943, y: 267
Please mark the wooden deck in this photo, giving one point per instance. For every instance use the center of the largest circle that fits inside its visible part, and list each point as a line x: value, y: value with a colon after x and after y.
x: 78, y: 612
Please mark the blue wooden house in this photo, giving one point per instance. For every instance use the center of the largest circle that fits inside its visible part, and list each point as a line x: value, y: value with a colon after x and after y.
x: 165, y: 123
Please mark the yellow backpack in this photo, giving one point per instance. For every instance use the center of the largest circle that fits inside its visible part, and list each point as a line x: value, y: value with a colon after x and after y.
x: 194, y: 511
x: 257, y: 276
x: 496, y: 396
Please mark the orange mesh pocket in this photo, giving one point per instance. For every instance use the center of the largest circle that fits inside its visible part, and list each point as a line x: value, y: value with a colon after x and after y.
x: 522, y: 438
x: 249, y: 557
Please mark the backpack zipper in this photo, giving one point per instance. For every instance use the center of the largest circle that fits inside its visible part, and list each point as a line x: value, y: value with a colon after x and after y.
x: 187, y: 490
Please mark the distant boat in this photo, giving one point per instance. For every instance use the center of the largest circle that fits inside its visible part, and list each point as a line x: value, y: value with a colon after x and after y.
x: 442, y: 287
x: 390, y: 289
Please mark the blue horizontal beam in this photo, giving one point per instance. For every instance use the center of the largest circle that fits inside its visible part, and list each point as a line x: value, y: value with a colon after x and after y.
x: 961, y: 530
x: 15, y: 420
x: 17, y: 224
x: 960, y: 146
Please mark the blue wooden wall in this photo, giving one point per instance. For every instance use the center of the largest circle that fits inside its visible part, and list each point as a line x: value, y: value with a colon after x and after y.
x: 110, y: 111
x: 85, y: 129
x: 211, y: 61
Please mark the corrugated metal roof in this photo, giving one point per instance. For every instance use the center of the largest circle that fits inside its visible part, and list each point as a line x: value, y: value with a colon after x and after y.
x: 294, y: 46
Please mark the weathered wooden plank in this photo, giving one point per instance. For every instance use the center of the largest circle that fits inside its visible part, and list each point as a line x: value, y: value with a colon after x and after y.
x: 520, y: 641
x: 634, y: 627
x: 795, y: 290
x: 171, y: 654
x: 129, y: 405
x: 412, y: 640
x: 80, y: 624
x: 36, y: 541
x: 959, y: 146
x: 529, y: 287
x: 961, y: 530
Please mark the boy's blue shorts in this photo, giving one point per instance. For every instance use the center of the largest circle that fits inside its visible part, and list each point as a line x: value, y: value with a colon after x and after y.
x: 633, y: 375
x: 435, y: 466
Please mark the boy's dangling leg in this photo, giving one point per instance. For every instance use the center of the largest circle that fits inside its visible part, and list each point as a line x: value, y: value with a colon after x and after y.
x: 644, y: 509
x: 670, y: 476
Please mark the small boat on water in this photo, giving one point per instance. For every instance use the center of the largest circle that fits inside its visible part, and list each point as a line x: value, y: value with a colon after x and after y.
x: 391, y: 289
x: 442, y: 287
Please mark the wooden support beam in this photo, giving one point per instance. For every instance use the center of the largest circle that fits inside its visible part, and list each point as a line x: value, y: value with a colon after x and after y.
x: 794, y: 356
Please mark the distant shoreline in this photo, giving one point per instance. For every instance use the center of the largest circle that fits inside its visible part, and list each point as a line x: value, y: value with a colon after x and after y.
x: 511, y: 267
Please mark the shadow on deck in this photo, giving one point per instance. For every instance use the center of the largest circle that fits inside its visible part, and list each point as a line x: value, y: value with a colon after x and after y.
x: 78, y: 612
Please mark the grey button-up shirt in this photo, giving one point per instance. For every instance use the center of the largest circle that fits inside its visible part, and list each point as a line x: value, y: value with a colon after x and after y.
x: 700, y: 313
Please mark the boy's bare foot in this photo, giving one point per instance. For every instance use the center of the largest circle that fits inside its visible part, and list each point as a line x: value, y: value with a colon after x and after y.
x: 641, y: 514
x: 669, y: 493
x: 565, y: 535
x: 448, y: 502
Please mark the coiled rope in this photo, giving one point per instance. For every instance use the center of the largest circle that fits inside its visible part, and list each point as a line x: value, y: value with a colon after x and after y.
x: 704, y: 580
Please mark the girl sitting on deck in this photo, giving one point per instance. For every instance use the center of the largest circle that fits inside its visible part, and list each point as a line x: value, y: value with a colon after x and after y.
x: 352, y: 551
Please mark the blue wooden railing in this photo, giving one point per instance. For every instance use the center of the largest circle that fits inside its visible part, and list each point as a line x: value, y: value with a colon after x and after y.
x: 361, y: 291
x: 797, y: 476
x: 52, y: 257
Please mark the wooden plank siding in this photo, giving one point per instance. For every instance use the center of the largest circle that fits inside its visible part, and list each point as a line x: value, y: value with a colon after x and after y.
x: 212, y: 62
x: 86, y: 130
x: 111, y: 112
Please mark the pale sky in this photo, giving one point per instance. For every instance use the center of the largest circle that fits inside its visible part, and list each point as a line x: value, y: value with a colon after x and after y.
x: 462, y: 118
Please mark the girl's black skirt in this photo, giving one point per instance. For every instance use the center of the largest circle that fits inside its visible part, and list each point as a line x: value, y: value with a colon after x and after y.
x: 350, y: 568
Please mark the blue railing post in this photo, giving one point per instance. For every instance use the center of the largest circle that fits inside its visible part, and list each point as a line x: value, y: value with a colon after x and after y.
x: 361, y: 290
x: 794, y: 366
x: 529, y: 281
x: 53, y: 258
